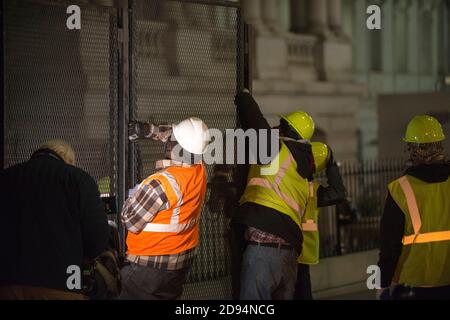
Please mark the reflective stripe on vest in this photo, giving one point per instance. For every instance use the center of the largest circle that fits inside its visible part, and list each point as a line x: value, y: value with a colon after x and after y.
x: 310, y: 225
x: 414, y: 213
x: 310, y: 246
x: 274, y: 186
x: 174, y: 225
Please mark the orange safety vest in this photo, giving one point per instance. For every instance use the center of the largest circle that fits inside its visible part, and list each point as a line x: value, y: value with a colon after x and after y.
x: 176, y: 229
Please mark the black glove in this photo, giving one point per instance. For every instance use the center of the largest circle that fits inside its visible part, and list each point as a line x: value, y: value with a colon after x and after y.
x: 331, y: 161
x: 238, y: 99
x: 138, y: 130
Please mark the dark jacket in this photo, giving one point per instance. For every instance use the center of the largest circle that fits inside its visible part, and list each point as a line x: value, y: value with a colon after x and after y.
x: 268, y: 219
x: 52, y: 217
x: 335, y: 192
x: 393, y: 221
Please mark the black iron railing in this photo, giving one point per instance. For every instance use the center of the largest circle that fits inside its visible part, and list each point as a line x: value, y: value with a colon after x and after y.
x: 354, y: 225
x: 346, y: 228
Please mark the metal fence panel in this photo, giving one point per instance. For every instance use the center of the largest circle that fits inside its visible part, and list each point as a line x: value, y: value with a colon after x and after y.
x: 61, y: 83
x: 185, y: 63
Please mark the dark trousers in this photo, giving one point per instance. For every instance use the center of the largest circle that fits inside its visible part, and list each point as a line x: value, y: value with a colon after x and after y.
x: 147, y: 283
x: 402, y: 292
x: 237, y: 246
x: 303, y: 285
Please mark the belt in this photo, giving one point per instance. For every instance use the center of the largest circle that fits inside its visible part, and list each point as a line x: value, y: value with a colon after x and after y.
x: 272, y: 245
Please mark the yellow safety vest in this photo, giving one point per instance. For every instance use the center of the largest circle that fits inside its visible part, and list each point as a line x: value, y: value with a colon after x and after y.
x: 425, y: 257
x: 283, y: 189
x: 310, y: 248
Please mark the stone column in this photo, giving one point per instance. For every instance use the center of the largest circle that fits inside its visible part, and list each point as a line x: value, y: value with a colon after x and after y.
x: 299, y: 21
x: 400, y: 27
x: 413, y: 43
x: 436, y: 32
x: 251, y: 10
x: 360, y: 36
x: 334, y: 15
x: 317, y: 17
x: 271, y: 14
x: 428, y: 37
x: 387, y: 38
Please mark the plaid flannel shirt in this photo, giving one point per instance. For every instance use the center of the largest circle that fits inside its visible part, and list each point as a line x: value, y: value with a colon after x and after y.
x: 141, y: 208
x: 256, y: 235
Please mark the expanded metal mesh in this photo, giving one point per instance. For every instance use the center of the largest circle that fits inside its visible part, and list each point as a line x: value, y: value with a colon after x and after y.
x: 186, y: 63
x: 61, y: 83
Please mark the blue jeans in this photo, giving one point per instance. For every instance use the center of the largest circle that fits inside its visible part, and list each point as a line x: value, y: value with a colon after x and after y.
x: 147, y: 283
x: 268, y: 273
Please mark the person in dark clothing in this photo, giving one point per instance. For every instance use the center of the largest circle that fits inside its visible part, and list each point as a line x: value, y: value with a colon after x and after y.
x: 272, y: 240
x: 53, y: 219
x: 415, y: 247
x: 326, y: 195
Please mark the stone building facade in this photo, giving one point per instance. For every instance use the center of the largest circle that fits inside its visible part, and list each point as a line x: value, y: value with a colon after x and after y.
x: 318, y: 55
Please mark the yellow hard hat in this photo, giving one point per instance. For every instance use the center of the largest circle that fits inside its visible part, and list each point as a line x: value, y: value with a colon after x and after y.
x: 424, y: 129
x: 301, y: 122
x: 320, y: 152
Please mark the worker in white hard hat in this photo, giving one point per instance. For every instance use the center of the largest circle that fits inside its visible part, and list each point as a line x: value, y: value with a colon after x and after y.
x: 162, y: 216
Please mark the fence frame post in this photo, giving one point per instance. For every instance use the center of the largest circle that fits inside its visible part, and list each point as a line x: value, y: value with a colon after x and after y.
x: 123, y: 112
x: 2, y: 90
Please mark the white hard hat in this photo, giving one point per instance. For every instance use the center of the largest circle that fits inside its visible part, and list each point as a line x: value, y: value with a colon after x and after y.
x: 193, y: 135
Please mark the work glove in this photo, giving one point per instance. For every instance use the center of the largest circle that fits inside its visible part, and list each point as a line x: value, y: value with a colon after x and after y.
x: 241, y: 96
x: 144, y: 130
x: 331, y: 161
x: 138, y: 130
x: 162, y: 132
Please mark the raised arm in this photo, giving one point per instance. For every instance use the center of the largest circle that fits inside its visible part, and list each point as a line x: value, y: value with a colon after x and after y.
x: 335, y: 191
x: 249, y: 113
x: 250, y: 117
x: 142, y: 207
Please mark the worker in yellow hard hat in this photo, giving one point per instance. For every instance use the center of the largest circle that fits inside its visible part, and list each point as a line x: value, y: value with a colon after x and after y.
x: 301, y: 122
x: 319, y: 196
x: 272, y: 204
x: 415, y: 226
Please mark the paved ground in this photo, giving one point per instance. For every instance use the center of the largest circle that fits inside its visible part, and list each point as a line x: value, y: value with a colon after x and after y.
x: 364, y: 295
x: 221, y: 289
